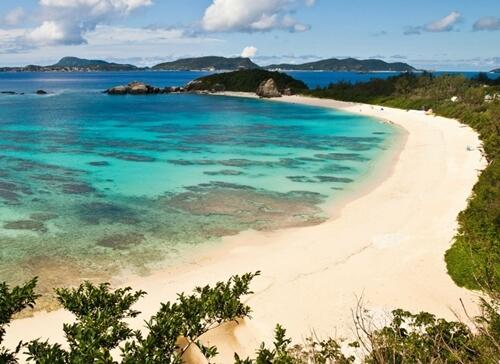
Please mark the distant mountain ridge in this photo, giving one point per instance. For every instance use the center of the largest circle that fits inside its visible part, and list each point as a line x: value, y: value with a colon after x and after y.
x: 215, y: 63
x: 207, y: 63
x: 347, y: 64
x: 74, y: 62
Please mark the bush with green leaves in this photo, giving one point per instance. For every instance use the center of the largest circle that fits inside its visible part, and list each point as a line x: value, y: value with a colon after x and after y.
x: 100, y: 325
x: 101, y: 334
x: 12, y: 302
x: 313, y: 351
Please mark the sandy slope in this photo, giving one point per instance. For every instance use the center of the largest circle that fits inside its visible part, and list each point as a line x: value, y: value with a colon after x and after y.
x: 386, y: 245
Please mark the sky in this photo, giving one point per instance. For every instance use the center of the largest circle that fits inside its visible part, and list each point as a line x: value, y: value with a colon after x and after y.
x: 430, y: 34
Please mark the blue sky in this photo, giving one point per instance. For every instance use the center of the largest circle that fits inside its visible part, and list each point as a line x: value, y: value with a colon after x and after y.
x: 444, y: 34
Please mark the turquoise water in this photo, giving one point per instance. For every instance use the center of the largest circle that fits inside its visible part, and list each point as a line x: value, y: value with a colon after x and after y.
x: 92, y: 186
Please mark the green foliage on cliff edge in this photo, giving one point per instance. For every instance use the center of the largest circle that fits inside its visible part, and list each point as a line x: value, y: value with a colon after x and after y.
x: 248, y: 81
x: 475, y: 254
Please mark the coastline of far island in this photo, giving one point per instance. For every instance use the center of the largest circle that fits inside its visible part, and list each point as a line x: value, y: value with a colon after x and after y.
x: 215, y: 64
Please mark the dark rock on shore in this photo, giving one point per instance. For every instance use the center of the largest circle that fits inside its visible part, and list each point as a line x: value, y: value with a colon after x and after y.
x: 8, y: 92
x: 41, y: 92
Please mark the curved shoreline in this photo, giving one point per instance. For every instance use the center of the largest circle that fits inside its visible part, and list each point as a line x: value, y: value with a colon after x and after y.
x: 388, y: 245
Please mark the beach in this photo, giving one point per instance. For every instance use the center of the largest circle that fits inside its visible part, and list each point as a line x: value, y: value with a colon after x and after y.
x: 385, y: 246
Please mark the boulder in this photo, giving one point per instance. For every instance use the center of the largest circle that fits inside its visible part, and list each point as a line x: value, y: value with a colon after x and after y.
x: 288, y: 91
x: 41, y: 92
x: 118, y: 90
x: 268, y: 89
x: 139, y: 88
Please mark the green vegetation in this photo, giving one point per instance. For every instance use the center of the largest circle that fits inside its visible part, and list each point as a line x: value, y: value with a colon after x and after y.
x: 205, y: 63
x: 92, y: 64
x: 246, y: 81
x: 347, y: 64
x: 12, y: 302
x: 101, y: 323
x: 74, y: 64
x: 101, y: 332
x: 474, y: 259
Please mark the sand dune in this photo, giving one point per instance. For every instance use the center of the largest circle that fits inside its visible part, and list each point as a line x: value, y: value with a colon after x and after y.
x: 387, y: 245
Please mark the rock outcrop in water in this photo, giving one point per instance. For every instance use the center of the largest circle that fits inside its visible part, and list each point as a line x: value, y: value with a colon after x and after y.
x: 268, y: 89
x: 141, y: 88
x: 264, y: 83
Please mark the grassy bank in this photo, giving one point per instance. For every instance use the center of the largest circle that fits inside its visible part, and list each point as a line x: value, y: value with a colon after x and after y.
x: 474, y: 259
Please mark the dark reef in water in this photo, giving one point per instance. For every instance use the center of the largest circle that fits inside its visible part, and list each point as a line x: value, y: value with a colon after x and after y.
x: 121, y: 241
x: 32, y: 225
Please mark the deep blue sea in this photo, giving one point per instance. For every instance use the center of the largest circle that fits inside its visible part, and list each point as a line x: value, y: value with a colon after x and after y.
x: 92, y: 185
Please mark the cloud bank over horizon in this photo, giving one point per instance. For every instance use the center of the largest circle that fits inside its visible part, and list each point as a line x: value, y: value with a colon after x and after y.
x: 41, y: 31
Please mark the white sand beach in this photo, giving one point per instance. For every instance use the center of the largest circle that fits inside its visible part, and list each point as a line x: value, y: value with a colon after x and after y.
x: 387, y: 245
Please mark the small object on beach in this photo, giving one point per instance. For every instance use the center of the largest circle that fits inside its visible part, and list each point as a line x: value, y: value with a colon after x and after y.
x: 429, y: 112
x: 470, y: 149
x: 41, y: 92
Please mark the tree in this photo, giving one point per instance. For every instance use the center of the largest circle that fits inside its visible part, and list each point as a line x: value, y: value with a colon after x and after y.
x: 12, y: 302
x: 100, y: 327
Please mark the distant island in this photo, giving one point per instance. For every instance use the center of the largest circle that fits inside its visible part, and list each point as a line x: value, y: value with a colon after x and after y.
x: 496, y: 70
x: 213, y: 64
x: 210, y: 63
x: 348, y: 64
x: 74, y: 64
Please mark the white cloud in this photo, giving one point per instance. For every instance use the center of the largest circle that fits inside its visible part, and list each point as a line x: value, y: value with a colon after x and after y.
x: 249, y: 52
x: 98, y: 6
x: 48, y: 33
x: 69, y: 21
x: 490, y: 23
x: 140, y: 46
x: 253, y: 15
x: 14, y: 16
x: 445, y: 24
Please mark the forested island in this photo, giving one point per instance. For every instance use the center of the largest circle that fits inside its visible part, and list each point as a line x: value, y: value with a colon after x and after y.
x: 206, y: 63
x: 348, y: 64
x: 74, y: 64
x: 214, y: 63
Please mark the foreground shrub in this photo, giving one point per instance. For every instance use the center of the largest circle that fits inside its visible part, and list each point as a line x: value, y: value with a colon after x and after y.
x: 100, y: 327
x: 12, y: 302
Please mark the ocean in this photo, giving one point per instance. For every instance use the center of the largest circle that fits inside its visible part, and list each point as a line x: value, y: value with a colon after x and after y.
x: 95, y: 186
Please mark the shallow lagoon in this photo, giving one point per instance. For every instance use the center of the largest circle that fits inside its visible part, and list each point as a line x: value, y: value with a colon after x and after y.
x: 92, y: 186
